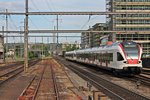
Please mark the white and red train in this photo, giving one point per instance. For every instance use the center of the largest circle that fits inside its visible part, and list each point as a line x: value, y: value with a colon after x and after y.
x: 124, y: 57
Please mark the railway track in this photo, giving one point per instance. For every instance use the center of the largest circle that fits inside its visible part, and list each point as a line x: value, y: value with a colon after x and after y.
x: 37, y: 88
x: 13, y: 65
x: 112, y: 90
x: 5, y: 77
x: 142, y: 79
x: 55, y: 84
x: 31, y: 90
x: 2, y: 68
x: 12, y: 73
x: 146, y: 73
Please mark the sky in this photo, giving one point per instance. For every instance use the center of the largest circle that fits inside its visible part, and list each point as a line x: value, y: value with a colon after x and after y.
x: 48, y: 22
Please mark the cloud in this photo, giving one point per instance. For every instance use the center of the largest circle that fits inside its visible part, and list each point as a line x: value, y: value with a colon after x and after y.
x: 54, y: 5
x: 68, y: 22
x: 12, y: 5
x: 68, y: 5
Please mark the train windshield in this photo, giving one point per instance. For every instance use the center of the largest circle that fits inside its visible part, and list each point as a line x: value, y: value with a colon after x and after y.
x: 131, y: 50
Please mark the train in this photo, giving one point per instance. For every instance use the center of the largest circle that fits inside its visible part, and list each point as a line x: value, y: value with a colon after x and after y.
x: 119, y: 57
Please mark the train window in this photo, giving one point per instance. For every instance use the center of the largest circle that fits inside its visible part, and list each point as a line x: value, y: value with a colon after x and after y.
x: 119, y: 57
x: 111, y: 55
x: 99, y: 57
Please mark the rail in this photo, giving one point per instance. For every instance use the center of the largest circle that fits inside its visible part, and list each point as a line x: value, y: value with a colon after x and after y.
x: 36, y: 84
x: 55, y: 84
x: 36, y: 91
x: 5, y: 77
x: 11, y: 74
x: 112, y: 90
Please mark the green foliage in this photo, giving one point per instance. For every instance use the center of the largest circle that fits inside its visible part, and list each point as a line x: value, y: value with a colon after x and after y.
x: 17, y: 50
x: 40, y: 50
x: 31, y: 55
x: 71, y: 47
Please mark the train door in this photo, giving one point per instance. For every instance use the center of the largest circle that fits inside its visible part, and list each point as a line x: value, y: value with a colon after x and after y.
x: 106, y: 60
x: 74, y: 56
x: 101, y: 59
x: 114, y: 64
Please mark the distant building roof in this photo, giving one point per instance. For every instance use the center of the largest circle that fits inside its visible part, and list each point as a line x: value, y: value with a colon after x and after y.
x: 100, y: 24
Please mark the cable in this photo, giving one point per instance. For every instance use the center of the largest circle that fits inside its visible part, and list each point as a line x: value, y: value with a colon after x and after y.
x: 48, y: 5
x: 86, y: 22
x: 2, y: 18
x: 45, y: 18
x: 52, y: 4
x: 34, y: 5
x: 15, y: 26
x: 89, y: 21
x: 2, y: 21
x: 33, y: 23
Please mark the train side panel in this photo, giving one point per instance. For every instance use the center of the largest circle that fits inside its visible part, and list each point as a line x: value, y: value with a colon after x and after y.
x: 112, y: 57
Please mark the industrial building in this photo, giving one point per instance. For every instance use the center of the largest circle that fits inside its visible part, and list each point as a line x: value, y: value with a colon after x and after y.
x: 123, y: 22
x: 89, y: 40
x: 128, y: 22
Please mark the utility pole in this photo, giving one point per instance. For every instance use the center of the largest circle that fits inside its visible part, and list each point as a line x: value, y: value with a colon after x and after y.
x: 35, y: 47
x: 90, y: 44
x: 26, y: 39
x: 20, y: 43
x: 3, y: 44
x: 47, y: 46
x: 42, y: 48
x: 54, y: 37
x: 6, y: 32
x: 57, y: 34
x: 14, y: 49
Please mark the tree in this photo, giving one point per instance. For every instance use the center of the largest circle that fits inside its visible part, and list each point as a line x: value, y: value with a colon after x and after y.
x: 71, y: 48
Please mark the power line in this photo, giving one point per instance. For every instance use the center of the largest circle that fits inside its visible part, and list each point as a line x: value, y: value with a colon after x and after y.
x: 15, y: 26
x: 52, y: 4
x: 43, y: 17
x: 86, y: 22
x: 34, y: 5
x: 33, y: 23
x: 48, y: 5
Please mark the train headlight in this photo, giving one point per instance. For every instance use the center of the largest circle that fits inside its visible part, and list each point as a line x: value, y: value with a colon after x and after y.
x: 139, y: 62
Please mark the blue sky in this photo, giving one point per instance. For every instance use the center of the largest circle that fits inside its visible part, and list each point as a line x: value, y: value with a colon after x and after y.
x: 48, y: 22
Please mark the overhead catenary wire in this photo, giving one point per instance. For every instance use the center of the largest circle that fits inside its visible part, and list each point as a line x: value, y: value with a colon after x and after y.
x: 86, y: 22
x: 48, y: 5
x: 33, y: 23
x: 52, y: 4
x: 2, y: 18
x: 43, y: 17
x: 13, y: 23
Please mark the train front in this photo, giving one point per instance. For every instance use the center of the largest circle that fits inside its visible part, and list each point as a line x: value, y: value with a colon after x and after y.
x: 132, y: 53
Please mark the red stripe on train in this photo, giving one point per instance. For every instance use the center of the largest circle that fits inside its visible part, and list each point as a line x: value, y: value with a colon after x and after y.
x: 123, y: 50
x: 139, y: 52
x: 132, y: 61
x: 129, y: 61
